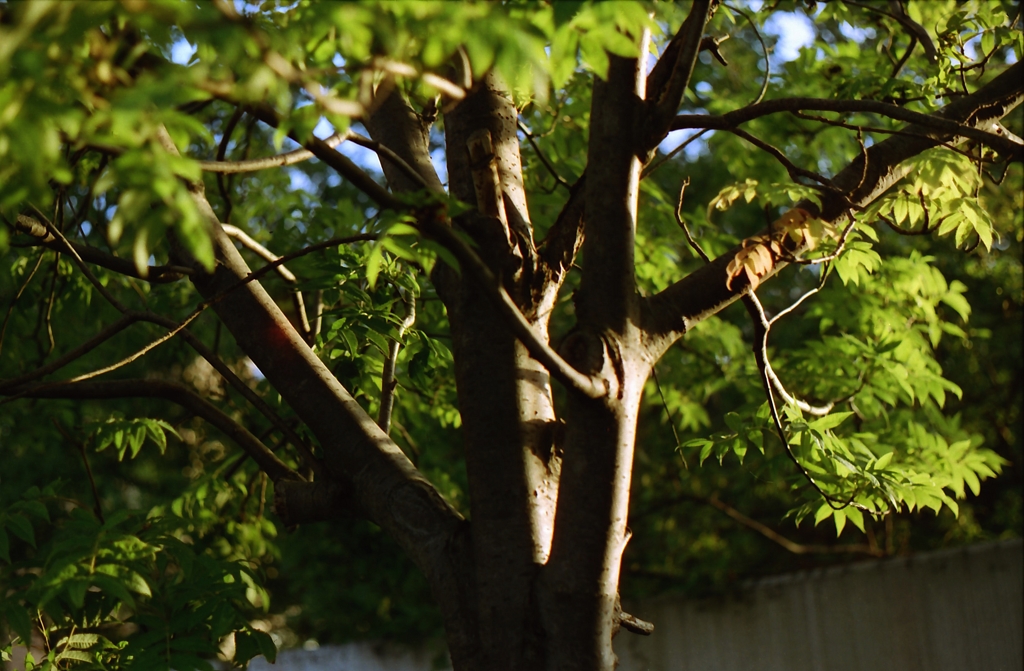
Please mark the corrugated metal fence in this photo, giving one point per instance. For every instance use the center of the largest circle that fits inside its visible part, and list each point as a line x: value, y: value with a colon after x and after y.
x: 952, y: 610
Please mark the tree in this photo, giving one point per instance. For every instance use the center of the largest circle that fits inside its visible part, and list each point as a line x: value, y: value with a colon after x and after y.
x: 106, y: 191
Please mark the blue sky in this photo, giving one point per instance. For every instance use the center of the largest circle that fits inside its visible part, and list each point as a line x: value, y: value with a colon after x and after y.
x: 792, y: 30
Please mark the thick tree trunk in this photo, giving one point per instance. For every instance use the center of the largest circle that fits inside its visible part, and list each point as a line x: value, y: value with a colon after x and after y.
x: 580, y: 587
x: 504, y: 395
x: 531, y: 580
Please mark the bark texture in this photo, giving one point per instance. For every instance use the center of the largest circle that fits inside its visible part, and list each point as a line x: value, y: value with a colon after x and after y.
x: 531, y: 580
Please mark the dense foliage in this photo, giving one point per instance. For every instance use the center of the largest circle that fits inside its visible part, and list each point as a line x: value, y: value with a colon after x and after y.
x: 135, y: 533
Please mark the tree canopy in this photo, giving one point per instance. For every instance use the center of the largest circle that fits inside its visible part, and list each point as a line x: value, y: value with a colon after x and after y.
x: 417, y: 319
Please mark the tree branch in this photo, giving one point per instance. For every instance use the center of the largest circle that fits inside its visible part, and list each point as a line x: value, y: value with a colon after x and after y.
x: 389, y: 489
x: 394, y: 123
x: 229, y: 375
x: 267, y: 460
x: 387, y: 377
x: 540, y: 350
x: 44, y: 238
x: 286, y: 275
x: 945, y: 125
x: 775, y: 537
x: 278, y: 161
x: 335, y: 159
x: 671, y: 74
x: 123, y: 322
x: 607, y: 298
x: 565, y: 237
x: 704, y: 292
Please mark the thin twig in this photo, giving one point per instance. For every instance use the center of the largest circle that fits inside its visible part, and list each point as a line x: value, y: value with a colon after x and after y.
x: 387, y: 378
x: 561, y: 181
x: 686, y: 229
x: 671, y: 416
x: 766, y: 324
x: 123, y: 322
x: 97, y: 509
x: 149, y: 388
x: 798, y: 301
x: 141, y: 352
x: 915, y: 29
x: 383, y: 151
x: 43, y: 321
x: 249, y: 243
x: 742, y: 115
x: 41, y: 232
x: 335, y: 159
x: 260, y: 272
x: 276, y: 161
x: 318, y: 312
x: 222, y: 150
x: 764, y: 530
x: 21, y: 290
x: 70, y: 250
x: 667, y: 157
x: 876, y: 129
x: 764, y: 48
x: 775, y: 537
x: 761, y: 328
x: 840, y: 246
x: 906, y: 56
x: 794, y: 170
x: 229, y: 375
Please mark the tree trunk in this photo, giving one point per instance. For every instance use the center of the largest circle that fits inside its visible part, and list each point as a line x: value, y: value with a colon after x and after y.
x: 531, y: 580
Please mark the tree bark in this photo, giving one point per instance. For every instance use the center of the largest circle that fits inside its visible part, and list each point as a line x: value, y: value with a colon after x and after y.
x: 580, y: 586
x: 670, y: 313
x: 532, y: 580
x: 504, y: 394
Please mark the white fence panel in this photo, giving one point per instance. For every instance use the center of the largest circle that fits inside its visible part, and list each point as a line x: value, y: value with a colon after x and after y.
x: 952, y: 610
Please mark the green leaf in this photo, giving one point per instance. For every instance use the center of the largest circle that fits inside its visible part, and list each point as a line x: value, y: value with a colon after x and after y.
x: 74, y: 655
x: 823, y: 513
x: 829, y: 421
x: 76, y: 591
x: 18, y: 618
x: 79, y: 641
x: 856, y: 516
x: 705, y: 450
x: 266, y: 645
x: 114, y: 587
x: 21, y: 527
x: 594, y: 55
x: 839, y: 517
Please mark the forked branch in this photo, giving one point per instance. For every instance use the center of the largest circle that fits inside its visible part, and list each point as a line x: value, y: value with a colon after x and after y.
x: 708, y: 289
x: 559, y: 368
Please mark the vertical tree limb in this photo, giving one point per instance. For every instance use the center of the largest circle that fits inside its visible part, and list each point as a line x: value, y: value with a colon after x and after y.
x: 579, y: 588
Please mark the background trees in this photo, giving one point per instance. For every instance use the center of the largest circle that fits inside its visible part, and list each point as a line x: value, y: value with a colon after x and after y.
x: 389, y: 378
